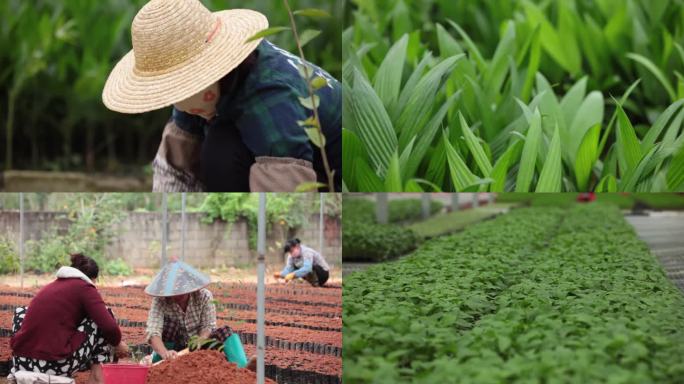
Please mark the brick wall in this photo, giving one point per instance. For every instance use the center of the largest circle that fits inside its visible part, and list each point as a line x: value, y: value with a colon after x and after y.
x: 206, y: 245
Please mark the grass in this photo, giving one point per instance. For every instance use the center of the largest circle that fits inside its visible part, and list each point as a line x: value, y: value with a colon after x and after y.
x: 566, y: 96
x: 455, y: 221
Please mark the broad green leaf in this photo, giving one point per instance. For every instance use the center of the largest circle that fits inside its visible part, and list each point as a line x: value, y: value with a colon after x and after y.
x: 586, y: 157
x: 393, y: 179
x: 628, y: 147
x: 388, y: 78
x: 551, y: 40
x: 532, y: 66
x: 368, y: 181
x: 552, y: 172
x: 588, y: 115
x: 413, y: 186
x: 660, y: 123
x: 418, y: 111
x: 500, y: 169
x: 353, y: 151
x: 607, y: 184
x: 460, y: 174
x: 373, y: 124
x: 675, y: 173
x: 655, y: 71
x: 427, y: 136
x: 267, y: 32
x: 529, y: 154
x: 475, y: 148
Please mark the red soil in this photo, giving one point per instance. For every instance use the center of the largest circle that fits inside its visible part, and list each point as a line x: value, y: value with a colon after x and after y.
x: 207, y: 367
x: 291, y: 306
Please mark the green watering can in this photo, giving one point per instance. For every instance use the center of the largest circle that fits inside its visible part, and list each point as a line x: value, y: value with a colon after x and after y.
x: 232, y: 348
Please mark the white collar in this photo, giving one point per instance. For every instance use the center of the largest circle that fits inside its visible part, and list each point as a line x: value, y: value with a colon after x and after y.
x: 73, y: 273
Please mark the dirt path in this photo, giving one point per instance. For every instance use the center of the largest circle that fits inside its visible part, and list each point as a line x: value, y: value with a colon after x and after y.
x: 664, y: 234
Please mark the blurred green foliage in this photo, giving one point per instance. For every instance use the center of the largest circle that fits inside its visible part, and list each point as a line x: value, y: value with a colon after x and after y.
x: 55, y: 56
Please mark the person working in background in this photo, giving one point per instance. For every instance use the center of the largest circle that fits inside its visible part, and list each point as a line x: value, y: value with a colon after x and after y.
x: 304, y: 262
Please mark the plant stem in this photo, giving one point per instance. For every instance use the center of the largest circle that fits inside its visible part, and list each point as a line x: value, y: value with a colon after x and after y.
x: 10, y: 129
x: 326, y: 165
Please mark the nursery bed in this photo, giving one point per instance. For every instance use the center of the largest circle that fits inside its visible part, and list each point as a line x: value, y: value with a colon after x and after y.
x: 303, y: 325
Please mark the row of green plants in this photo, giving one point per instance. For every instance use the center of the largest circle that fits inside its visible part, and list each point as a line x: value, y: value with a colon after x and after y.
x: 54, y: 59
x: 364, y: 239
x: 541, y: 294
x: 569, y: 96
x: 656, y: 201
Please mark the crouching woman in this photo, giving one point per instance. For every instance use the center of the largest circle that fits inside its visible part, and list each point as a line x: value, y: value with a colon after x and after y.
x: 66, y: 327
x: 304, y: 262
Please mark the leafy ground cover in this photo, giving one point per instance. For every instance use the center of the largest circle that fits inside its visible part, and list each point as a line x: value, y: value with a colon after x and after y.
x: 455, y: 221
x: 520, y: 96
x: 623, y: 200
x: 541, y: 294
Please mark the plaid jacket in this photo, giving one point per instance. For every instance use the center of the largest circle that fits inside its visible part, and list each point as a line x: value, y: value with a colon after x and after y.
x: 167, y: 320
x: 261, y: 100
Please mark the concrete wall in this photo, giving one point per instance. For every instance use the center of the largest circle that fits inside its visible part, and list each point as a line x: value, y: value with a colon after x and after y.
x: 206, y: 245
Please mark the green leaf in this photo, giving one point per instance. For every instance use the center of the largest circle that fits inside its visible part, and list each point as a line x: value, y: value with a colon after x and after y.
x: 529, y: 154
x: 388, y: 78
x: 316, y: 136
x: 353, y: 152
x: 607, y: 184
x: 318, y: 82
x: 373, y: 124
x: 307, y: 36
x: 655, y: 71
x: 628, y: 147
x: 586, y: 157
x: 500, y: 169
x: 267, y: 32
x: 475, y: 148
x: 312, y: 186
x: 368, y: 181
x: 675, y: 173
x: 393, y: 180
x: 312, y: 12
x: 460, y: 174
x: 307, y: 103
x: 552, y: 172
x: 589, y: 114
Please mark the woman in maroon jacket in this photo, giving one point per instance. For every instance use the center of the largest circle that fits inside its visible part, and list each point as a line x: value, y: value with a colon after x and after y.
x: 67, y: 326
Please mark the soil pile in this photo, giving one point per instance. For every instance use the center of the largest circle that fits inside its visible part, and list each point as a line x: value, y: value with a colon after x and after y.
x: 206, y: 367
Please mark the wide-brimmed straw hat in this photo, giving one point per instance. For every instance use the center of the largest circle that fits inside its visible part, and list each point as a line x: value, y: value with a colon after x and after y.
x: 179, y: 49
x: 177, y: 278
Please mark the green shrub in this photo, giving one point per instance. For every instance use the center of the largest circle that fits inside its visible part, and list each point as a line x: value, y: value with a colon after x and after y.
x: 117, y: 267
x: 374, y: 242
x: 9, y: 257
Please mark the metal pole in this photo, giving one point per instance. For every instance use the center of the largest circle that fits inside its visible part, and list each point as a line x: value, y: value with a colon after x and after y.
x: 261, y: 272
x: 183, y: 226
x: 165, y: 228
x: 425, y: 205
x: 491, y: 198
x: 454, y: 202
x: 21, y: 237
x: 476, y: 202
x: 321, y: 224
x: 381, y: 208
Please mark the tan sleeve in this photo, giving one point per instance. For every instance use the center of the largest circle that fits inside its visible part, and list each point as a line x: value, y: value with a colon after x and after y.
x: 279, y: 174
x: 177, y: 163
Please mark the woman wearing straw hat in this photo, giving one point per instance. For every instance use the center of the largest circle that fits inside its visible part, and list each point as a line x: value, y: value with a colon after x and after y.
x: 183, y: 309
x: 66, y: 328
x: 236, y: 104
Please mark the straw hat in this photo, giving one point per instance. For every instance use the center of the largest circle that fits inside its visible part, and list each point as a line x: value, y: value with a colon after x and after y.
x: 179, y: 48
x: 177, y: 278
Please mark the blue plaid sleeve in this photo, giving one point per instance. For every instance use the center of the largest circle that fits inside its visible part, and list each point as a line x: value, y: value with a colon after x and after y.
x: 268, y: 123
